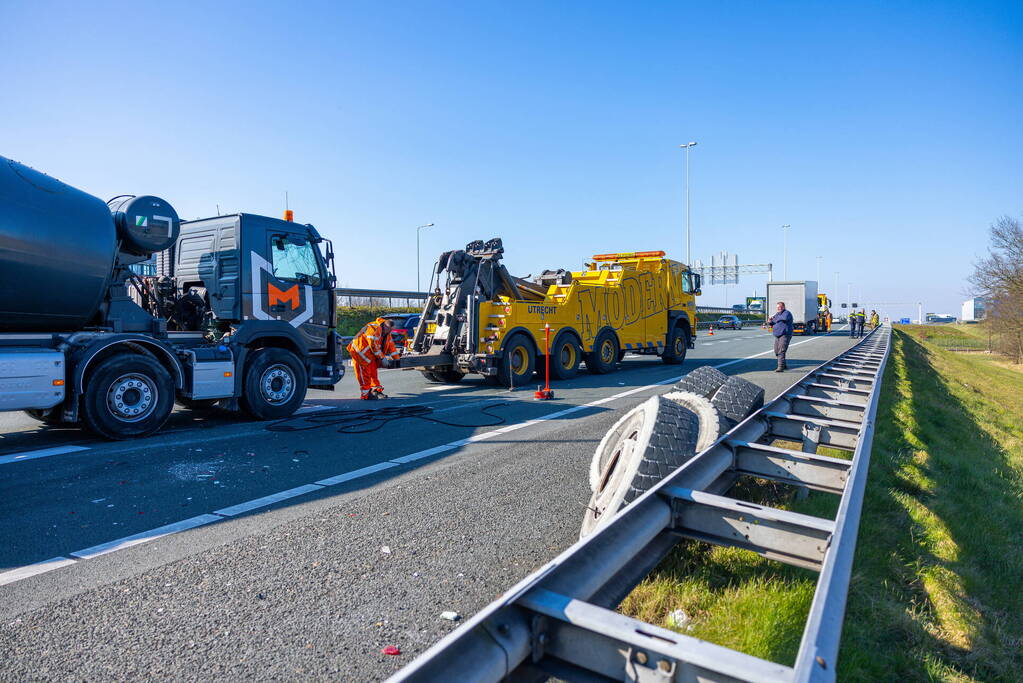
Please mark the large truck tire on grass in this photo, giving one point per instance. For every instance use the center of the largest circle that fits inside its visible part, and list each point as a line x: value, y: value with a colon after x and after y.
x: 480, y: 319
x: 704, y: 381
x: 644, y: 446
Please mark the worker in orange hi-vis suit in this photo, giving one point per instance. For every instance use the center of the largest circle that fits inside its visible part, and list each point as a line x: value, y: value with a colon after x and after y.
x: 371, y: 348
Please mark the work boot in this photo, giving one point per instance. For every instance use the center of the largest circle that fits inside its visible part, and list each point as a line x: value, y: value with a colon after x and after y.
x: 380, y: 394
x: 371, y: 396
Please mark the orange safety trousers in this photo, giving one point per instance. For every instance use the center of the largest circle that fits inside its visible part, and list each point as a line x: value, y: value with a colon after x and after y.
x: 366, y: 373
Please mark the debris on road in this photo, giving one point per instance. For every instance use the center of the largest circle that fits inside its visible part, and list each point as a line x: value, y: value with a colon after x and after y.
x: 386, y: 550
x: 391, y: 650
x: 450, y: 616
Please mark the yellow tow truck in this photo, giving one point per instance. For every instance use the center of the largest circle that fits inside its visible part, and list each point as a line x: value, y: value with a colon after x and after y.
x: 483, y: 320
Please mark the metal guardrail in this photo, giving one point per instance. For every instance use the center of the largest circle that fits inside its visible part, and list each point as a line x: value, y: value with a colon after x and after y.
x: 559, y: 621
x: 389, y: 294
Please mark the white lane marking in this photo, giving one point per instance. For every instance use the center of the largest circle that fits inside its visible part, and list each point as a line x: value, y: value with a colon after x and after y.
x: 33, y: 569
x: 145, y: 536
x: 129, y: 541
x: 41, y: 453
x: 355, y: 474
x: 266, y: 500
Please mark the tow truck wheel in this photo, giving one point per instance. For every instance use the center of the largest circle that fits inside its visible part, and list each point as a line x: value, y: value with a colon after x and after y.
x: 275, y: 384
x: 430, y: 376
x: 675, y: 349
x: 127, y: 396
x: 565, y: 356
x: 604, y: 357
x: 517, y: 362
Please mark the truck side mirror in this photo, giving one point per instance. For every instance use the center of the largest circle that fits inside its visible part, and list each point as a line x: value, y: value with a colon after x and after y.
x: 697, y: 284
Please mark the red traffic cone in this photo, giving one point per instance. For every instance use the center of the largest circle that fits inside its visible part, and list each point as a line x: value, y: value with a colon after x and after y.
x: 711, y: 333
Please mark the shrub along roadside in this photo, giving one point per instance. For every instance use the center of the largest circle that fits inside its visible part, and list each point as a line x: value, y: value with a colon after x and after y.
x: 350, y: 319
x: 936, y: 582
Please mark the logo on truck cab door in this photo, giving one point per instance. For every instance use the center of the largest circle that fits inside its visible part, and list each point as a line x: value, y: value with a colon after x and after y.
x: 275, y: 299
x: 276, y: 296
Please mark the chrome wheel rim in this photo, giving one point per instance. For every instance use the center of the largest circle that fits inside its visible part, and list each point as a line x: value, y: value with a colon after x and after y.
x: 132, y: 397
x: 277, y: 384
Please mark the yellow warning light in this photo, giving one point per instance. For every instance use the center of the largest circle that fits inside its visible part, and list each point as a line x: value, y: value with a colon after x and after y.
x: 58, y: 382
x: 628, y: 255
x: 228, y: 374
x: 289, y: 215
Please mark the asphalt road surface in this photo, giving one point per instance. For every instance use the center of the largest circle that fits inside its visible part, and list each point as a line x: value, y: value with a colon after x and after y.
x: 219, y: 548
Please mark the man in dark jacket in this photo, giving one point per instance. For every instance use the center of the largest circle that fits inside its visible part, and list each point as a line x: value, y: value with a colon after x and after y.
x: 781, y: 328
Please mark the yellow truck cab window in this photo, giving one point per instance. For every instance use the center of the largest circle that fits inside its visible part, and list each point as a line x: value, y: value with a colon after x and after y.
x: 294, y: 260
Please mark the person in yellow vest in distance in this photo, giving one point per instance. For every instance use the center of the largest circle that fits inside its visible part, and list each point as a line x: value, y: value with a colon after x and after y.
x: 370, y: 349
x: 855, y: 324
x: 875, y: 319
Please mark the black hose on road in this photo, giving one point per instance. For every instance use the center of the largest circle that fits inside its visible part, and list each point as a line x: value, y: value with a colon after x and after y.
x: 352, y: 421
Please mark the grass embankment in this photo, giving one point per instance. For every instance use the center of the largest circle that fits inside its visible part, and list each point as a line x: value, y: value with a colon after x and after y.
x: 937, y: 588
x: 952, y: 337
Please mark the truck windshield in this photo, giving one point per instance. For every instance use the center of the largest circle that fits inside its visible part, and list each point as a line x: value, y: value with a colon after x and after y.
x: 295, y: 261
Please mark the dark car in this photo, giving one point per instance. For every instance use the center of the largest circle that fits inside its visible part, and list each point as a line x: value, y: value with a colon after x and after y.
x: 404, y: 326
x: 730, y: 321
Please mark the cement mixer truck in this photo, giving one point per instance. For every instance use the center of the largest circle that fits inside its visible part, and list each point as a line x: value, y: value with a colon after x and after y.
x: 241, y: 311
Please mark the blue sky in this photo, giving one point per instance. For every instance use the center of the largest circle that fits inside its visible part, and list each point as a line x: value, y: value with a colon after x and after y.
x: 888, y: 135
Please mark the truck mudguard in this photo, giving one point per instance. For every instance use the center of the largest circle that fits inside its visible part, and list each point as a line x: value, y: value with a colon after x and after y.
x: 83, y: 355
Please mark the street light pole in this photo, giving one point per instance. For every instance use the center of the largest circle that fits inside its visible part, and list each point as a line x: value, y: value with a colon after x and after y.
x: 785, y: 232
x: 819, y: 271
x: 688, y: 214
x: 418, y: 228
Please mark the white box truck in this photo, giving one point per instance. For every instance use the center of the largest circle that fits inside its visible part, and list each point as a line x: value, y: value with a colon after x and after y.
x: 800, y: 297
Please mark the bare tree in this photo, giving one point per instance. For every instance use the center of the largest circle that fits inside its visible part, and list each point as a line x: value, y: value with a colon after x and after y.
x: 999, y: 279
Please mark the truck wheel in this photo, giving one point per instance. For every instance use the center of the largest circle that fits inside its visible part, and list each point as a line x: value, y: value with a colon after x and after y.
x: 678, y: 344
x: 737, y: 399
x: 565, y: 356
x: 430, y: 376
x: 517, y: 362
x: 604, y: 357
x: 647, y: 444
x: 275, y: 384
x: 48, y: 416
x: 712, y: 423
x: 127, y: 396
x: 704, y: 380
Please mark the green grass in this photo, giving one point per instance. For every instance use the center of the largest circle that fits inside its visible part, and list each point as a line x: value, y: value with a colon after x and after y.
x: 937, y: 587
x: 948, y: 336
